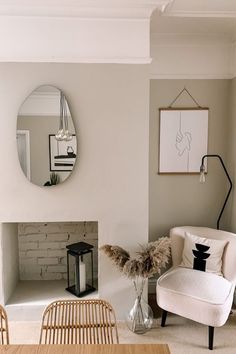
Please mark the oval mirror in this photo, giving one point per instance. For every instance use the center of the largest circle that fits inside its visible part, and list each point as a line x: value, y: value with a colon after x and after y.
x: 46, y: 140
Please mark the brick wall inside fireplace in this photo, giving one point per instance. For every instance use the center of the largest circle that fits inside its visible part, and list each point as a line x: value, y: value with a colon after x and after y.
x: 42, y: 247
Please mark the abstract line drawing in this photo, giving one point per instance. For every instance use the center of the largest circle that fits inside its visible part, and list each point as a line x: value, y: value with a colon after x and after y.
x: 183, y: 142
x: 183, y: 139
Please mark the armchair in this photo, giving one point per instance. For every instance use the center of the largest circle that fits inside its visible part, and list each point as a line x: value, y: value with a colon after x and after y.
x: 198, y: 295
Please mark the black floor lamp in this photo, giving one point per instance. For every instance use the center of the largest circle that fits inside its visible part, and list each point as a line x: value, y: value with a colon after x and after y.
x: 202, y: 179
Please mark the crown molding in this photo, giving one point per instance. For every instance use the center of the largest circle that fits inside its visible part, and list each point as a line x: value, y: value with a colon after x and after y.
x: 87, y: 31
x: 208, y: 14
x: 42, y: 104
x: 193, y: 76
x: 202, y: 8
x: 83, y: 9
x: 78, y: 59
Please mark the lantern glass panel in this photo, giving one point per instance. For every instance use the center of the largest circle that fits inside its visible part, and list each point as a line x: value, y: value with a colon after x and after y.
x: 71, y: 274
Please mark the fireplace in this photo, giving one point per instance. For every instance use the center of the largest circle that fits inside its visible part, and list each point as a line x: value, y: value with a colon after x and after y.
x: 34, y: 264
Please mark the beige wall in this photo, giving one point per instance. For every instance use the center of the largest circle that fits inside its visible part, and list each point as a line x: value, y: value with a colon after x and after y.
x: 109, y: 184
x: 180, y: 199
x: 232, y: 153
x: 10, y: 264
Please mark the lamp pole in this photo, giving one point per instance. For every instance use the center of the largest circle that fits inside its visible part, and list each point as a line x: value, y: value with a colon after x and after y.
x: 202, y: 170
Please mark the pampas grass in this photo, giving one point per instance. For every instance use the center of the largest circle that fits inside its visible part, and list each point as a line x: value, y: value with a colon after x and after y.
x: 118, y: 255
x: 149, y: 261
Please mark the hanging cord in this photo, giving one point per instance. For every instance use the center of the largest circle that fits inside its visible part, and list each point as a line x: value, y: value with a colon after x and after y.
x: 61, y: 126
x: 65, y: 115
x: 181, y: 92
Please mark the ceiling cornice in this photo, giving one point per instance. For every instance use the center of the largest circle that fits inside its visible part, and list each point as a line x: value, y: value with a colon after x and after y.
x: 84, y: 9
x: 202, y: 8
x: 209, y: 14
x: 77, y: 31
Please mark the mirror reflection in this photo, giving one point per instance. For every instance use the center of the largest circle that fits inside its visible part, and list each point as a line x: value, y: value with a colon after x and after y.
x: 46, y: 140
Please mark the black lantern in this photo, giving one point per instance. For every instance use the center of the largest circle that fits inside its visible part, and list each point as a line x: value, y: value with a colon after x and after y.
x: 80, y: 269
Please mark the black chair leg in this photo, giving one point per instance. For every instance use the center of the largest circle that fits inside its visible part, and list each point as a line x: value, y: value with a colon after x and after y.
x: 163, y: 319
x: 211, y: 337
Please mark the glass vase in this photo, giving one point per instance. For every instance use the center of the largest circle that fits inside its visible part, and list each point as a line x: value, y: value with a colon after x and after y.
x: 140, y: 318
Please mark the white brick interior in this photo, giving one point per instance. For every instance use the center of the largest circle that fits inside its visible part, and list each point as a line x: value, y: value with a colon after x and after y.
x: 42, y: 248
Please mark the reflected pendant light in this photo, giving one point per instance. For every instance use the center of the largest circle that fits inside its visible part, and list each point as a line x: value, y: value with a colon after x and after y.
x: 63, y: 132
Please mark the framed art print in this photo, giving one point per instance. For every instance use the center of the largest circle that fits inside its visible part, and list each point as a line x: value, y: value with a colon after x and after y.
x: 183, y: 139
x: 62, y: 154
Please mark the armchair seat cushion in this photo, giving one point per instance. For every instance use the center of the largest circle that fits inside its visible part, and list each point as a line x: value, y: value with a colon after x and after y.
x: 203, y: 297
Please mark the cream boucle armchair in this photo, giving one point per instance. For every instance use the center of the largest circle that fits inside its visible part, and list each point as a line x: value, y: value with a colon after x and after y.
x: 200, y: 296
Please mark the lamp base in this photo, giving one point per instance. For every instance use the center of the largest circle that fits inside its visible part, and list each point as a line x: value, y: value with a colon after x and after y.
x: 89, y: 289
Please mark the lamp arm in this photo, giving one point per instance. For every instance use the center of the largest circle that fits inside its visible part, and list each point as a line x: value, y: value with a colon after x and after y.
x: 230, y: 183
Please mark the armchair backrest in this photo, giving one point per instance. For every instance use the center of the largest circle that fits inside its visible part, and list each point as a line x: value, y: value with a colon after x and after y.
x: 177, y: 235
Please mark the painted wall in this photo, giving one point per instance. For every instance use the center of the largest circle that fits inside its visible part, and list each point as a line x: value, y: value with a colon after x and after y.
x: 10, y: 264
x: 192, y: 56
x: 232, y: 153
x: 176, y: 200
x: 110, y: 108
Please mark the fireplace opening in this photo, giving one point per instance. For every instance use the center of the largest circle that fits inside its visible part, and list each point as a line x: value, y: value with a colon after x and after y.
x: 34, y: 264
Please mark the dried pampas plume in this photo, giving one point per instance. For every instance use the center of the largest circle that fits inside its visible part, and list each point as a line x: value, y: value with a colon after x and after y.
x: 118, y: 255
x: 150, y: 260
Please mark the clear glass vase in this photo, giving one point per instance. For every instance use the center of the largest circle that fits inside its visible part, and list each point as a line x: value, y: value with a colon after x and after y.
x: 140, y: 318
